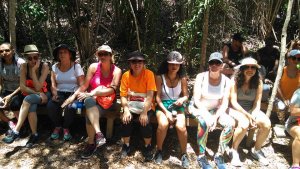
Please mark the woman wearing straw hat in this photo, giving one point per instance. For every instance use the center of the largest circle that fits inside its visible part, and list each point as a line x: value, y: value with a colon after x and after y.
x: 103, y: 73
x: 246, y: 93
x: 10, y: 64
x: 34, y: 86
x: 172, y: 93
x: 211, y: 94
x: 66, y: 77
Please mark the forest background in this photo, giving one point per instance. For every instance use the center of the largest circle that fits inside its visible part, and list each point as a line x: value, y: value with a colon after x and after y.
x: 195, y: 28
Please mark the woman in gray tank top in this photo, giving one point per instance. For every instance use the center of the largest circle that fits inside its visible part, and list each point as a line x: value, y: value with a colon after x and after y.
x: 246, y: 93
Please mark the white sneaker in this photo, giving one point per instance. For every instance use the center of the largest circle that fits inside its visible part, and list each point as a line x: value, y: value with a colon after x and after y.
x: 235, y: 158
x: 259, y: 156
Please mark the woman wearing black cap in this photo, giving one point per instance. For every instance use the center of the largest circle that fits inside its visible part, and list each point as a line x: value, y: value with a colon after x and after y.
x: 34, y: 88
x: 172, y: 93
x: 66, y: 77
x: 136, y: 91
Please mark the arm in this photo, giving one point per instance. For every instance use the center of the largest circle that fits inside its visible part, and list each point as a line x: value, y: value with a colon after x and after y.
x: 158, y: 81
x: 184, y: 91
x: 23, y: 87
x: 197, y: 94
x: 244, y: 50
x: 38, y: 82
x: 225, y: 57
x: 53, y: 84
x: 257, y: 101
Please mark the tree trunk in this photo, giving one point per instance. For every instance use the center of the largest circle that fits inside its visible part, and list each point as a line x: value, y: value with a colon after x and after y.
x: 204, y: 37
x: 136, y: 26
x: 282, y: 54
x: 12, y: 22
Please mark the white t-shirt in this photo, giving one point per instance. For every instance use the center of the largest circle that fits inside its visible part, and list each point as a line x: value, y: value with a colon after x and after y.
x: 67, y: 81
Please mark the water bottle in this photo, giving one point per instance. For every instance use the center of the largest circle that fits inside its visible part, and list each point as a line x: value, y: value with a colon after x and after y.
x: 78, y: 105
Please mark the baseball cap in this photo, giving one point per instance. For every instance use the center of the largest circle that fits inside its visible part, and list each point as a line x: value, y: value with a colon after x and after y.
x: 216, y: 56
x: 174, y: 57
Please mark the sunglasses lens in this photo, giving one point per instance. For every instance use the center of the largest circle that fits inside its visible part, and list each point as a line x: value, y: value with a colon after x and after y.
x: 5, y: 50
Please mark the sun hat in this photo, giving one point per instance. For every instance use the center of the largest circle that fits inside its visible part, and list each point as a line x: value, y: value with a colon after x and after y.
x: 238, y: 37
x: 64, y: 46
x: 174, y: 57
x: 294, y: 52
x: 247, y: 61
x: 216, y: 56
x: 105, y: 48
x: 136, y: 55
x: 30, y: 49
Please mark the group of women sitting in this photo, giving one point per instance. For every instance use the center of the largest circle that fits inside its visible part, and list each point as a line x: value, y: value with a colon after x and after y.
x: 23, y: 84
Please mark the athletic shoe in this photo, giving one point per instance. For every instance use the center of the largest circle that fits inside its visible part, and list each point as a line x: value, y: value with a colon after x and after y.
x: 67, y: 135
x: 125, y: 151
x: 219, y: 160
x: 32, y: 140
x: 11, y: 137
x: 158, y: 157
x: 203, y: 163
x: 235, y: 159
x: 55, y: 133
x: 88, y: 151
x: 259, y: 156
x: 148, y: 153
x: 185, y: 163
x: 100, y: 139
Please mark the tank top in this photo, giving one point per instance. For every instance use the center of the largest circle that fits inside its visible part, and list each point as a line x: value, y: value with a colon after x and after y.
x: 246, y: 100
x: 99, y: 80
x: 288, y: 85
x: 168, y: 93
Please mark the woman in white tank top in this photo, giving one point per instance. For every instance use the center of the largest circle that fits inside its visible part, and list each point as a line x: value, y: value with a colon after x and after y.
x: 172, y: 93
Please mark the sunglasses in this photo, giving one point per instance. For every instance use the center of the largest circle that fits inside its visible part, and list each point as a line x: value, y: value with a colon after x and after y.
x: 33, y: 57
x: 136, y: 61
x: 5, y: 50
x: 249, y: 67
x: 214, y: 62
x: 295, y: 58
x: 103, y: 54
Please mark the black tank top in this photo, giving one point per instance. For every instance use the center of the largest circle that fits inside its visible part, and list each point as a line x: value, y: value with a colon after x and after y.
x: 234, y: 56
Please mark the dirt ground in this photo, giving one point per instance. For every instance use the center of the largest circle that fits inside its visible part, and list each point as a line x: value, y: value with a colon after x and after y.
x: 49, y: 154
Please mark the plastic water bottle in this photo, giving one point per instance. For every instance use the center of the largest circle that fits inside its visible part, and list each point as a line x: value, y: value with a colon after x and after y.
x: 78, y: 105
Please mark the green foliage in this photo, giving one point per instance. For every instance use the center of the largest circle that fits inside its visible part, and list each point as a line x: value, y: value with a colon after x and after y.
x: 35, y: 12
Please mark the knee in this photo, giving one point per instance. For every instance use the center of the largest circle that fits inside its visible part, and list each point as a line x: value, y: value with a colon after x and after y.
x: 244, y: 124
x: 181, y: 128
x: 25, y: 102
x: 163, y: 125
x: 266, y: 125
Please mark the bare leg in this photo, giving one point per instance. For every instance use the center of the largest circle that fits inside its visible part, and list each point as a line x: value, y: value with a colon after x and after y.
x: 93, y: 115
x: 264, y: 126
x: 295, y: 132
x: 32, y: 119
x: 241, y: 129
x: 181, y: 131
x: 162, y: 129
x: 91, y: 133
x: 23, y: 115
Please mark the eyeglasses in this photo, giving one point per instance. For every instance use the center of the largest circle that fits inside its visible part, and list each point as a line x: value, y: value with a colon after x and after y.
x: 214, y: 62
x: 103, y: 54
x: 33, y: 57
x: 295, y: 58
x: 5, y: 50
x: 136, y: 61
x: 249, y: 67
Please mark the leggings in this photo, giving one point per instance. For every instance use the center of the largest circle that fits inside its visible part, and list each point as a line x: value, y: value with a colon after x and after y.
x: 146, y: 131
x: 56, y: 111
x: 227, y: 124
x: 34, y: 100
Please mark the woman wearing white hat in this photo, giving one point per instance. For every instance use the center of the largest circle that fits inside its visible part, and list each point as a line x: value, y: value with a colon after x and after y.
x: 172, y: 93
x: 34, y: 86
x: 102, y: 79
x: 245, y: 97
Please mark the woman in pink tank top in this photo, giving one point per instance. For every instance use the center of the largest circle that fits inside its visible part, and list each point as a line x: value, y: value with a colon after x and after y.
x: 102, y: 79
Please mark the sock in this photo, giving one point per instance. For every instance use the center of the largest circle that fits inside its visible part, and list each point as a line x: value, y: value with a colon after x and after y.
x: 35, y: 134
x: 16, y: 132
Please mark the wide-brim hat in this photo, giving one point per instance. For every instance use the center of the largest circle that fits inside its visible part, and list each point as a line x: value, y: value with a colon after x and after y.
x: 216, y: 56
x: 174, y: 57
x: 247, y: 61
x: 30, y: 49
x: 136, y: 55
x: 64, y: 46
x: 104, y: 48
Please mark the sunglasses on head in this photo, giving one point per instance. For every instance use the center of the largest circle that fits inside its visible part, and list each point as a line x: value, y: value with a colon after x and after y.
x: 295, y: 58
x: 29, y: 58
x: 249, y: 67
x: 136, y: 61
x: 5, y: 50
x: 103, y: 54
x: 214, y: 62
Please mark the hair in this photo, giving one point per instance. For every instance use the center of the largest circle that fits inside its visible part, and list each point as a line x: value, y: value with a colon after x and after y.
x: 239, y: 78
x: 163, y: 69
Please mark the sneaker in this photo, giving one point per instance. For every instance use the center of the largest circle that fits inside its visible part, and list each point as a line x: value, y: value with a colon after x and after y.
x: 125, y: 151
x: 12, y: 125
x: 259, y: 156
x: 55, y: 133
x: 294, y: 167
x: 88, y: 151
x: 158, y: 157
x: 235, y: 159
x: 67, y: 135
x: 11, y: 137
x: 32, y: 140
x: 185, y: 163
x: 219, y: 160
x: 148, y: 153
x: 100, y: 139
x: 203, y: 163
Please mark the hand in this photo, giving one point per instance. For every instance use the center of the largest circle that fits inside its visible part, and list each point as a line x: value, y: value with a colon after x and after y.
x: 55, y: 98
x: 214, y: 123
x: 179, y: 102
x: 43, y: 98
x: 126, y: 118
x: 287, y: 103
x: 36, y: 66
x: 83, y: 95
x: 170, y: 117
x: 143, y: 119
x: 252, y: 121
x: 68, y: 101
x: 6, y: 100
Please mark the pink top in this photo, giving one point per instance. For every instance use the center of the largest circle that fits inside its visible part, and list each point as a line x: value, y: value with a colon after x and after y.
x: 99, y: 80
